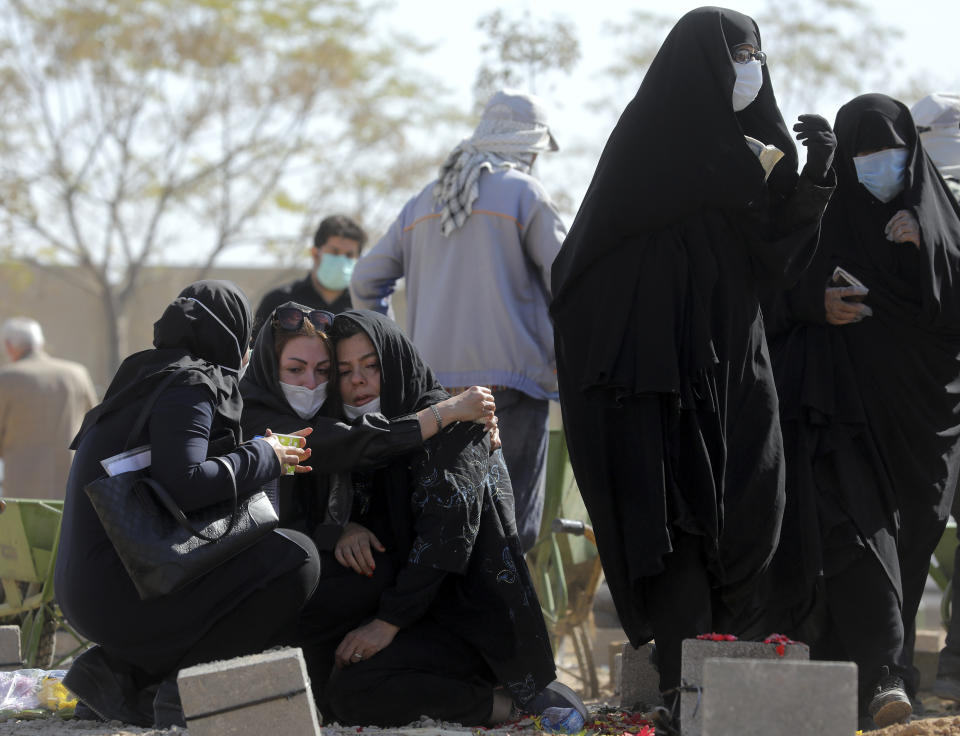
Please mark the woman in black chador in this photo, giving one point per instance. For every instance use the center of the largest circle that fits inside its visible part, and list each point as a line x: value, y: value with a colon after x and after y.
x: 458, y: 617
x: 668, y: 399
x: 250, y: 602
x: 868, y: 372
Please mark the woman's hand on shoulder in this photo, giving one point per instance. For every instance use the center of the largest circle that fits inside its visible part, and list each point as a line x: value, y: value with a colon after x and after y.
x: 364, y: 642
x: 355, y: 549
x: 903, y: 228
x: 476, y: 404
x: 289, y: 455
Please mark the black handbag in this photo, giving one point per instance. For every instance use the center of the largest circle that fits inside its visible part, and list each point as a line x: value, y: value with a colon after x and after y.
x: 161, y: 547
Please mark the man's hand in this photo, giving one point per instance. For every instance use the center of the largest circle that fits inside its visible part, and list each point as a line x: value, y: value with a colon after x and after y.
x: 903, y: 228
x: 353, y: 549
x: 363, y: 643
x: 840, y: 312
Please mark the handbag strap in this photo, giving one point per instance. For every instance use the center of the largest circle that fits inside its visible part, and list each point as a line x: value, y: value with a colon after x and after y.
x: 158, y: 490
x: 177, y: 513
x: 144, y: 414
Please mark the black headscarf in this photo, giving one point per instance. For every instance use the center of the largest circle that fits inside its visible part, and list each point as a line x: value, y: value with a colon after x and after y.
x: 203, y: 330
x: 679, y: 146
x: 921, y: 290
x: 407, y: 384
x: 264, y: 404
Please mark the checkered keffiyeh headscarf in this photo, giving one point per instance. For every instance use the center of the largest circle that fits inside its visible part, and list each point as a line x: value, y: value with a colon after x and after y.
x: 500, y: 141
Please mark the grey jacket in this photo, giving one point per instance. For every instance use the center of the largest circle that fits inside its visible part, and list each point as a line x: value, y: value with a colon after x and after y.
x: 476, y: 300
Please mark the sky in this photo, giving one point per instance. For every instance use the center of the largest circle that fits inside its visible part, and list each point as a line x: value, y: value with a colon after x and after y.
x: 927, y: 50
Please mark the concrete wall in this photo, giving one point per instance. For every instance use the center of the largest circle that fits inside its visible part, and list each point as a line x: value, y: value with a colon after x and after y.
x: 60, y: 298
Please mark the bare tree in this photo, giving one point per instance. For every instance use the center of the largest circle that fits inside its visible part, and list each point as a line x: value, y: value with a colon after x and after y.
x: 519, y: 52
x: 823, y: 49
x: 817, y: 49
x: 134, y: 127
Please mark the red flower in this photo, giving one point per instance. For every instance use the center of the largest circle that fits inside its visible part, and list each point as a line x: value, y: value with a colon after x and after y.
x: 717, y: 637
x: 781, y: 649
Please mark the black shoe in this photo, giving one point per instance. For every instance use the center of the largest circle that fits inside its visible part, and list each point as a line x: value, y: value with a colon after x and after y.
x: 84, y: 712
x: 889, y: 703
x: 107, y: 690
x: 167, y: 708
x: 555, y: 695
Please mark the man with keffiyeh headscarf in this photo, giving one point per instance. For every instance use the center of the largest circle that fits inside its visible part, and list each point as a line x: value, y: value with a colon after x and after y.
x: 476, y: 246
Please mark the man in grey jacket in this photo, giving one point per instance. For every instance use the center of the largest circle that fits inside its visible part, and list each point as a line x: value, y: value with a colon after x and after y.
x: 476, y: 246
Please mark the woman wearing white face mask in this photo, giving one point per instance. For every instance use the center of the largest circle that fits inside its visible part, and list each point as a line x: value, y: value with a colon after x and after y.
x: 286, y: 389
x: 696, y: 210
x: 867, y: 376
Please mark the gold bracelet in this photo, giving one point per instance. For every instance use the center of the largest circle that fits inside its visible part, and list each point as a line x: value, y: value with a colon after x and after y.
x: 436, y: 415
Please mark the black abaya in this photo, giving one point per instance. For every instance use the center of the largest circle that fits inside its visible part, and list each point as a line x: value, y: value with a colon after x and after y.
x: 667, y: 394
x: 872, y: 406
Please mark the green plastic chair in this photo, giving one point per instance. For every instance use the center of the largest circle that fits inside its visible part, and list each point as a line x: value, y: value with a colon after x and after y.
x: 29, y: 535
x: 565, y: 566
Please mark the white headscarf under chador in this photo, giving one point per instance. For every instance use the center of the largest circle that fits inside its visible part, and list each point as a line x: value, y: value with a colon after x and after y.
x: 513, y: 127
x: 937, y: 117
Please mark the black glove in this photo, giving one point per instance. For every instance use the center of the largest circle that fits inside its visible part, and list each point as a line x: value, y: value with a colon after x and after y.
x: 818, y: 137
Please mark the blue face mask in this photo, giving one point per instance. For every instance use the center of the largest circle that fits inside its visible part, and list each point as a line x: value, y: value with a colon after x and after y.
x: 883, y: 172
x: 334, y: 271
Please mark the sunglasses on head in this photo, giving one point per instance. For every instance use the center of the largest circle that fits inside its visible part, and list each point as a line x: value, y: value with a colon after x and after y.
x: 291, y: 318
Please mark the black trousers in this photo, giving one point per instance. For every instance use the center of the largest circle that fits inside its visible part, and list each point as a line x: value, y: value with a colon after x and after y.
x: 265, y: 617
x: 680, y: 604
x: 426, y: 671
x: 864, y: 622
x: 343, y: 600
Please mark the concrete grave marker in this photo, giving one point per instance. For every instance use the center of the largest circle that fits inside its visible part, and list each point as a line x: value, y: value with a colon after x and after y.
x: 639, y: 679
x: 762, y: 697
x: 698, y: 651
x: 266, y: 693
x: 10, y: 657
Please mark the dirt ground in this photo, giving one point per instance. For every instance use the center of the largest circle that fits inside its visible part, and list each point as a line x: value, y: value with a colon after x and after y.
x: 943, y: 723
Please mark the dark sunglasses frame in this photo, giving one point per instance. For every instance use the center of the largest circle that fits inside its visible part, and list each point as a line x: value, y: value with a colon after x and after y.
x: 291, y: 318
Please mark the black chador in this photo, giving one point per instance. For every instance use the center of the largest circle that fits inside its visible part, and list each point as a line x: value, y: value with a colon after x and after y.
x: 668, y: 399
x: 870, y: 408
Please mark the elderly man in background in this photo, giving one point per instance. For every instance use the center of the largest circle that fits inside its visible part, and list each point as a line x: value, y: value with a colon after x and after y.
x: 42, y: 403
x: 476, y: 246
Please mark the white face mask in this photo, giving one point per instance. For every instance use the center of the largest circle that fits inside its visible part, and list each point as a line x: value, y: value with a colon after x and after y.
x: 748, y: 84
x: 304, y: 401
x: 371, y: 407
x: 883, y: 172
